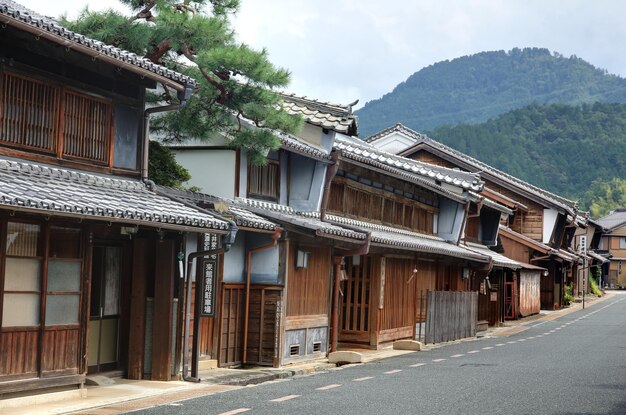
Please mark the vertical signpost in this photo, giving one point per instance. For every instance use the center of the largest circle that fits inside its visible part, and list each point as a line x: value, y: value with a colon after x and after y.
x: 582, y: 249
x: 209, y: 277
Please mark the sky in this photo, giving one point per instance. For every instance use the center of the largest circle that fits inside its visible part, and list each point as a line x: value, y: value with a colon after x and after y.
x: 344, y: 50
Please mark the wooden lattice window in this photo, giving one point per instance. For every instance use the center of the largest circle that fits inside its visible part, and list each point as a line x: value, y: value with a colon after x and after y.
x: 28, y: 113
x: 264, y: 181
x: 86, y: 127
x: 53, y: 119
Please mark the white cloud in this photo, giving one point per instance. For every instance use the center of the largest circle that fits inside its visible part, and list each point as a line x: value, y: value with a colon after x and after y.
x: 342, y: 50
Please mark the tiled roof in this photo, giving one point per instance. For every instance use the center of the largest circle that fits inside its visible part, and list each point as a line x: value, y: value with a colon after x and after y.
x: 241, y: 217
x: 613, y: 220
x: 492, y: 204
x: 557, y: 200
x: 398, y: 128
x: 60, y: 192
x: 499, y: 260
x: 288, y: 215
x: 17, y: 15
x: 297, y: 145
x: 598, y: 257
x: 358, y: 150
x: 408, y: 240
x: 334, y: 117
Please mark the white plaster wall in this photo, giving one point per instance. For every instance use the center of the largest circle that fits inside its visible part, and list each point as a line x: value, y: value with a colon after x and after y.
x: 213, y: 171
x: 394, y: 143
x: 549, y: 220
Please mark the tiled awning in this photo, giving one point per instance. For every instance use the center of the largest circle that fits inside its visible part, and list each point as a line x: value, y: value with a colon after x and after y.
x: 53, y: 191
x: 499, y: 260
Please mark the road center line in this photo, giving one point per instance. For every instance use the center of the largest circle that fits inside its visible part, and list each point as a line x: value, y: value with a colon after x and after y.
x: 323, y: 388
x: 363, y: 378
x: 236, y: 411
x: 487, y: 348
x: 438, y: 360
x: 391, y: 372
x: 473, y: 351
x: 457, y: 355
x: 417, y: 365
x: 500, y: 344
x: 285, y: 398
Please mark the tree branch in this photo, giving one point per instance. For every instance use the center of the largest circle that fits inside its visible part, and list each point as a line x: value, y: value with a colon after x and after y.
x: 159, y: 50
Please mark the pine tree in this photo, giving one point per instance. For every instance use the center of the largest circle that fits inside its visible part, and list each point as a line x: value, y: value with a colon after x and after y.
x: 235, y: 82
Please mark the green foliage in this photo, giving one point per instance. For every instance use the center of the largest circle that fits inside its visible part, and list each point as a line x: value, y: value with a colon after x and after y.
x: 235, y: 81
x: 164, y: 168
x: 604, y: 196
x: 568, y: 297
x: 565, y: 149
x: 593, y: 281
x: 476, y: 88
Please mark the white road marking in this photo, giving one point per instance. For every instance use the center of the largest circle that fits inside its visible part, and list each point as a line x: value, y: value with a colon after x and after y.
x: 457, y: 355
x: 417, y: 365
x: 391, y: 372
x: 552, y: 331
x: 530, y: 338
x: 500, y: 344
x: 236, y: 411
x: 285, y: 398
x: 473, y: 351
x: 323, y: 388
x: 522, y: 340
x: 487, y: 348
x: 438, y: 360
x: 363, y: 378
x: 511, y: 342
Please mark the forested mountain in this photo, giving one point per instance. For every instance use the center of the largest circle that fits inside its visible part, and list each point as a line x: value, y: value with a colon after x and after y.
x: 475, y: 88
x: 558, y: 147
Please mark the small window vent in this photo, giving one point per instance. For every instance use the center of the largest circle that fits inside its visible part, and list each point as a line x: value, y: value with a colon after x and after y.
x: 294, y: 350
x: 317, y: 347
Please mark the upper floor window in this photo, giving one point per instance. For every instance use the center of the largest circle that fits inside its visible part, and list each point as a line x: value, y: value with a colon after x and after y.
x: 264, y: 181
x: 52, y: 119
x: 622, y: 242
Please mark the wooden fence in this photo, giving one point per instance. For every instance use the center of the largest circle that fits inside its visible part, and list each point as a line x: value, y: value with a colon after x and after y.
x: 450, y: 315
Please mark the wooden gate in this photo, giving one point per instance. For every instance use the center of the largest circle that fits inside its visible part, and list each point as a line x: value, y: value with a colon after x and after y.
x: 451, y: 315
x: 264, y: 325
x: 231, y: 330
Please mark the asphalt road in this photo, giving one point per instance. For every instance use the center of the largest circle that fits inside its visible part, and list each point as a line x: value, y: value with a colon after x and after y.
x: 572, y: 365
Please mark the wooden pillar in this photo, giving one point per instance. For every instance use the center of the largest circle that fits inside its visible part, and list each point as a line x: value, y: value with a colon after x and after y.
x: 137, y: 314
x: 163, y: 315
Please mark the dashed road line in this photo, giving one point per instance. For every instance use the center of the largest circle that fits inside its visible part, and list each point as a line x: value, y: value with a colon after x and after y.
x: 487, y: 348
x: 362, y: 379
x: 417, y: 365
x: 324, y: 388
x: 473, y: 351
x: 236, y: 411
x: 391, y: 372
x: 285, y: 398
x: 457, y: 355
x: 500, y: 344
x: 438, y: 360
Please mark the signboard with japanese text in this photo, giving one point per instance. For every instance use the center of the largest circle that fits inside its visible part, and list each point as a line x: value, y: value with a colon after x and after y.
x: 209, y: 277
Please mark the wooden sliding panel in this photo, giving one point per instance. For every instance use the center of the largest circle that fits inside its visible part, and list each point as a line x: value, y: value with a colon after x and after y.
x: 137, y: 309
x: 309, y: 288
x: 231, y: 329
x: 397, y: 316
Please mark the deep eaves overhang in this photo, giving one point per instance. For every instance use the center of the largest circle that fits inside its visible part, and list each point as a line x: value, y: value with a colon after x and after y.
x: 21, y: 18
x: 58, y: 192
x: 544, y: 197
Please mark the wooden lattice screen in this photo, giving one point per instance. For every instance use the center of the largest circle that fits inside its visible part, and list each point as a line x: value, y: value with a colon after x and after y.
x: 50, y: 118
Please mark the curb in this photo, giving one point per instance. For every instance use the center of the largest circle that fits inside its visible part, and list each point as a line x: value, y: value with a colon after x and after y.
x: 240, y: 379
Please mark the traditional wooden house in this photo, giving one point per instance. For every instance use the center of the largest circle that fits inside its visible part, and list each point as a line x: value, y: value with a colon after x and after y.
x: 538, y: 214
x: 90, y: 253
x: 415, y: 214
x: 275, y: 288
x: 613, y: 246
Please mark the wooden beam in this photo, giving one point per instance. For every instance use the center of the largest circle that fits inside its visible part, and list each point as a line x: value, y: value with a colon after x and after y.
x: 162, y: 327
x: 137, y: 315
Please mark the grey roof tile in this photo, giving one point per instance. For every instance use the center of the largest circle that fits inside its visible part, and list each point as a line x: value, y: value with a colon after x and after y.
x: 366, y: 153
x: 613, y: 220
x: 499, y: 260
x: 323, y: 114
x: 409, y: 240
x: 16, y: 12
x: 243, y: 218
x: 312, y: 222
x: 418, y: 139
x: 50, y: 190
